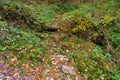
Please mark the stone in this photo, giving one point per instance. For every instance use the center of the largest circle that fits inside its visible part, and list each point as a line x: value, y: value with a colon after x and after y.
x: 68, y: 70
x: 47, y: 78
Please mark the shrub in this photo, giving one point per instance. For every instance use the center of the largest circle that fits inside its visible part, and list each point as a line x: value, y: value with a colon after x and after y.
x: 15, y: 11
x: 95, y: 65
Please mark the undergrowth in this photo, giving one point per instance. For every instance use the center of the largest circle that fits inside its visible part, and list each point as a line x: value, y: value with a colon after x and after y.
x: 21, y: 45
x: 91, y: 22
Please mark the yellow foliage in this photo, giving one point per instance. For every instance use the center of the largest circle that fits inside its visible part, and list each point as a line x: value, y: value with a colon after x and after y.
x: 95, y: 34
x: 107, y: 19
x: 83, y: 24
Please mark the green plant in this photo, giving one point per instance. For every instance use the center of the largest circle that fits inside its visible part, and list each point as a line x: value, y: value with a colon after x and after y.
x: 115, y: 75
x: 22, y: 45
x: 3, y: 24
x: 83, y: 24
x: 95, y: 65
x: 63, y: 8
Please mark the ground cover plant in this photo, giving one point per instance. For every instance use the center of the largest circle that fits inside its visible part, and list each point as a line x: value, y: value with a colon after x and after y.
x: 60, y: 40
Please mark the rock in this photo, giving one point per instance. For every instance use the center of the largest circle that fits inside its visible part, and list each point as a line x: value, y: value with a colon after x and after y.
x: 68, y: 70
x: 51, y: 79
x: 47, y: 78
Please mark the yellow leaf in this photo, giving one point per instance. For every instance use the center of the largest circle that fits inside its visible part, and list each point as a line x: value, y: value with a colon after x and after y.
x: 52, y: 59
x: 55, y: 69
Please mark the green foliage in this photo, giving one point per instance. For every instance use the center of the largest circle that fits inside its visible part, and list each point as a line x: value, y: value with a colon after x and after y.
x: 43, y: 14
x: 95, y: 65
x: 91, y: 19
x: 35, y: 16
x: 115, y: 75
x: 16, y: 11
x: 61, y: 8
x: 3, y: 24
x: 86, y: 19
x: 25, y: 46
x: 107, y: 20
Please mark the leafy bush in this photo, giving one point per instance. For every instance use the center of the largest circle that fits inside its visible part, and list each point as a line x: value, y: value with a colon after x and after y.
x: 15, y: 11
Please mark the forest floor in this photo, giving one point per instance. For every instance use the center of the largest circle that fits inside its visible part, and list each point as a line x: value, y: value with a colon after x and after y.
x: 59, y: 41
x: 55, y: 66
